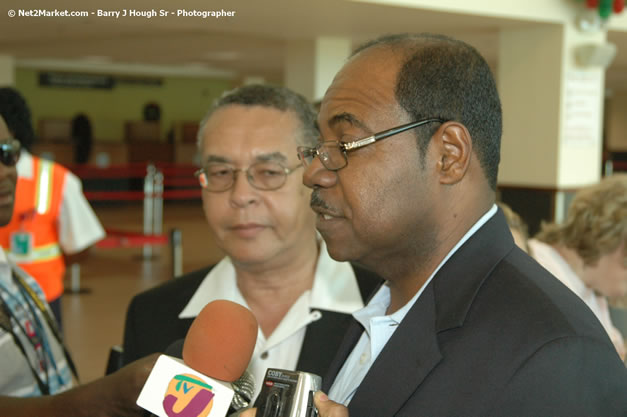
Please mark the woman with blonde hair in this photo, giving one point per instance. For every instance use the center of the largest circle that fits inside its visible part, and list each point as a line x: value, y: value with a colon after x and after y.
x: 588, y: 251
x: 517, y: 226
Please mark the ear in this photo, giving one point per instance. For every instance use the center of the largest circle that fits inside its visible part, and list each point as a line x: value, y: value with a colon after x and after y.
x: 455, y: 151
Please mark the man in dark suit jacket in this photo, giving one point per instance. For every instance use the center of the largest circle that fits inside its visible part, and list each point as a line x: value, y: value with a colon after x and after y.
x: 404, y: 183
x: 504, y: 339
x: 258, y: 212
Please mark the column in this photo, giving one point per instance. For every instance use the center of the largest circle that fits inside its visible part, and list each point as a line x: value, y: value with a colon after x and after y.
x: 553, y: 113
x: 310, y: 65
x: 7, y: 70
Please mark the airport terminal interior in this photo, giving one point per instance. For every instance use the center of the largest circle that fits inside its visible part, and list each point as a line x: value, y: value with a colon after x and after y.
x: 145, y: 72
x: 94, y: 309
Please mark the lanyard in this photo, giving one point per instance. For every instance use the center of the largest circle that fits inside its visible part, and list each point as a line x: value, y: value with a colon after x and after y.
x: 31, y: 296
x: 5, y: 323
x: 49, y: 319
x: 34, y: 332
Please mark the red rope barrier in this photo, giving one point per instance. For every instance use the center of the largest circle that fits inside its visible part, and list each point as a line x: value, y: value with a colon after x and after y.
x: 180, y: 182
x: 113, y: 171
x: 114, y: 195
x: 619, y: 165
x: 174, y: 175
x: 177, y: 170
x: 182, y: 194
x: 119, y: 239
x: 139, y: 195
x: 133, y: 170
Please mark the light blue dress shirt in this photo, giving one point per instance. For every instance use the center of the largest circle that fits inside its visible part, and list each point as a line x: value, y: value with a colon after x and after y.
x: 379, y: 328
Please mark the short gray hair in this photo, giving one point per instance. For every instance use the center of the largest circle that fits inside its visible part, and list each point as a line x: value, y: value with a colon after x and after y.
x: 279, y: 98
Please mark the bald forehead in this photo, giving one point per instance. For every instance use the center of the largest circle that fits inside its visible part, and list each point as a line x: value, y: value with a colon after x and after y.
x: 365, y: 85
x: 375, y: 66
x: 381, y: 58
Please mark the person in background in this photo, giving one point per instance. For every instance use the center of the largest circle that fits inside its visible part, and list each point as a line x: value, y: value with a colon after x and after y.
x: 53, y: 224
x: 276, y: 265
x: 35, y: 368
x: 588, y: 250
x: 82, y: 138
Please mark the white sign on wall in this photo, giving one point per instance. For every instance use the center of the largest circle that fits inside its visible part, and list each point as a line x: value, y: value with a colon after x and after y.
x: 582, y: 109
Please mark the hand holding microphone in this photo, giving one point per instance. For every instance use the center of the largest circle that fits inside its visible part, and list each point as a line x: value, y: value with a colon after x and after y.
x: 112, y: 395
x: 244, y: 387
x: 216, y: 352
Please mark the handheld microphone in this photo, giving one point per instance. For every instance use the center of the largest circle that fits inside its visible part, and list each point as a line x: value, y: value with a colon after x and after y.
x: 244, y: 387
x: 216, y: 352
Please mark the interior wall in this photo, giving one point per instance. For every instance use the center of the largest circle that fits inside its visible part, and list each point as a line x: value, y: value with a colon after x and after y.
x: 181, y: 99
x: 616, y: 123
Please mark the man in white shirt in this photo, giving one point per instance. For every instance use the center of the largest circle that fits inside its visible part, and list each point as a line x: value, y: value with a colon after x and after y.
x: 276, y: 265
x: 404, y: 181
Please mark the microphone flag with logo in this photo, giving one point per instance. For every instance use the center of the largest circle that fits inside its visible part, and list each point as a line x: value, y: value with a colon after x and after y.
x: 216, y: 352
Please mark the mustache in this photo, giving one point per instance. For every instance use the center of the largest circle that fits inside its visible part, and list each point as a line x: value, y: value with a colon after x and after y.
x: 317, y: 201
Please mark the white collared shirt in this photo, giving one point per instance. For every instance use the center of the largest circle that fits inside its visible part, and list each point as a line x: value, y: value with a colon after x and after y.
x: 5, y: 269
x: 379, y: 328
x: 334, y: 288
x: 79, y: 227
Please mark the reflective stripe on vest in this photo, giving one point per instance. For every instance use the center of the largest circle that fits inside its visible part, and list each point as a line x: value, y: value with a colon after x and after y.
x: 38, y: 200
x: 43, y: 189
x: 42, y: 253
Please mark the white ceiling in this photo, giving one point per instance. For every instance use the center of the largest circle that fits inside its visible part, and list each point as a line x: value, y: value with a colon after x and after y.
x: 252, y: 43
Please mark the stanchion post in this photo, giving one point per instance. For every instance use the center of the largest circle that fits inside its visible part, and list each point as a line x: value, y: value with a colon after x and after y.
x: 149, y: 188
x: 75, y: 278
x: 176, y: 244
x: 157, y: 220
x: 609, y: 167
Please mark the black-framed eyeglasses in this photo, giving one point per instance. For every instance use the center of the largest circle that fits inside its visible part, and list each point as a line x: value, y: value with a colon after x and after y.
x: 264, y: 175
x: 332, y: 153
x: 9, y: 151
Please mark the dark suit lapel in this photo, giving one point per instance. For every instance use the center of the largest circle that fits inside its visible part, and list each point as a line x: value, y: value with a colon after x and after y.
x: 353, y: 333
x: 458, y: 282
x: 322, y: 340
x: 403, y: 364
x: 413, y: 350
x: 369, y: 284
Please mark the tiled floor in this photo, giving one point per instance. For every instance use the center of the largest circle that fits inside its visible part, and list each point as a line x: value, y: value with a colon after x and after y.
x: 94, y: 320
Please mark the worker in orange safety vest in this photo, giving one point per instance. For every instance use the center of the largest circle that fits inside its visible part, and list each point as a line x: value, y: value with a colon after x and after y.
x: 52, y: 219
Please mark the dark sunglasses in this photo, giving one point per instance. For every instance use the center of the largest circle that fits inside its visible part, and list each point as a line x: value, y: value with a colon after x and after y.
x: 9, y: 152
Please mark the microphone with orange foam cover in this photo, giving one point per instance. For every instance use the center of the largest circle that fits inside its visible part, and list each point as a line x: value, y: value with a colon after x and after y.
x: 221, y: 340
x: 216, y: 352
